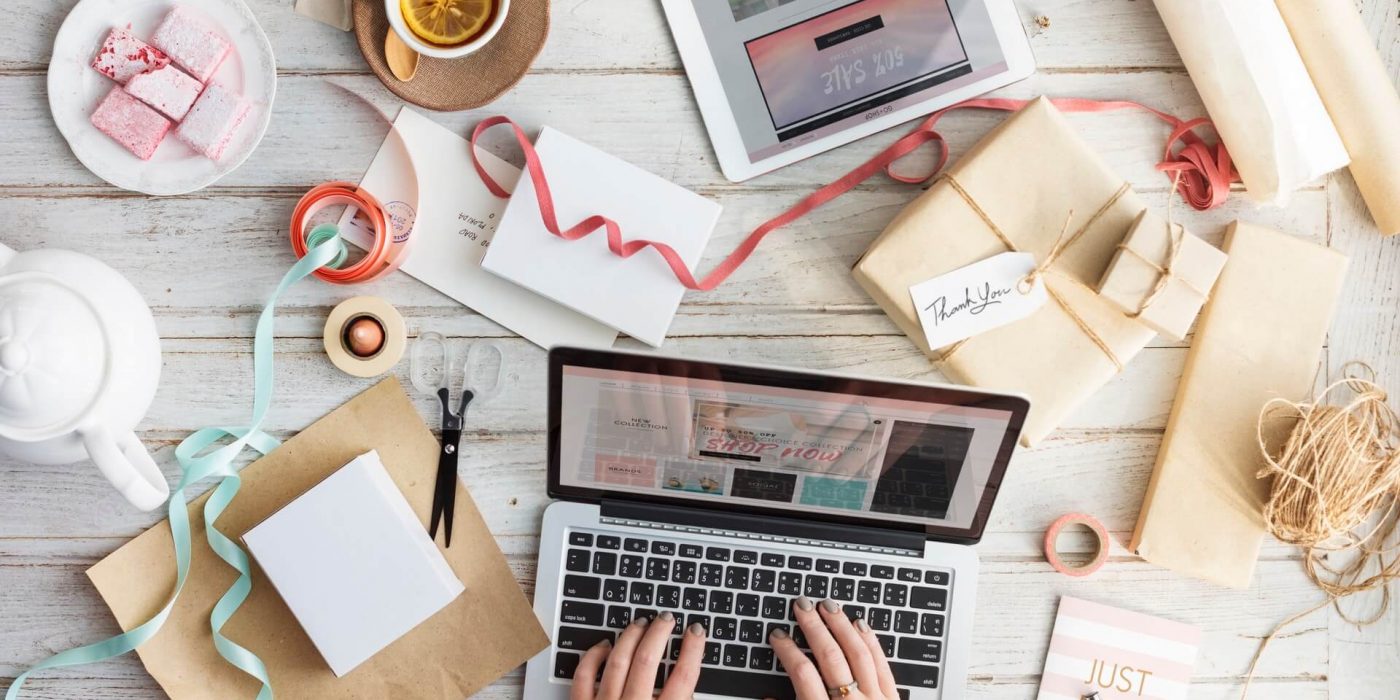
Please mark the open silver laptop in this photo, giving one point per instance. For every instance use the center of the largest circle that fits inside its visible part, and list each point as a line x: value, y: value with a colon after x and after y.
x: 722, y: 492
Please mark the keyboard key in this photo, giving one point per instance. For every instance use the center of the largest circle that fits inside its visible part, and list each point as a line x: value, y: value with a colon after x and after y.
x: 868, y: 592
x: 677, y: 624
x: 903, y: 693
x: 582, y: 587
x: 774, y: 608
x: 887, y: 644
x: 790, y: 583
x: 691, y: 551
x: 641, y: 613
x: 914, y: 675
x: 851, y: 568
x: 882, y: 571
x: 843, y: 589
x: 712, y: 654
x: 693, y: 618
x: 828, y: 566
x: 565, y: 664
x: 721, y: 602
x: 745, y: 556
x: 777, y: 626
x: 614, y: 591
x: 735, y: 655
x: 711, y: 575
x: 761, y: 658
x: 776, y: 560
x: 581, y: 639
x: 726, y: 628
x: 666, y: 548
x: 915, y: 649
x: 578, y: 613
x: 751, y: 631
x: 737, y: 578
x: 800, y: 638
x: 911, y: 575
x: 800, y: 563
x: 609, y: 542
x: 853, y: 611
x: 744, y: 684
x: 936, y: 578
x: 641, y: 593
x: 683, y: 571
x: 929, y: 598
x: 631, y: 566
x: 931, y: 625
x: 896, y: 595
x: 604, y: 563
x: 879, y: 619
x: 619, y: 616
x: 816, y: 586
x: 577, y: 560
x: 746, y: 605
x: 661, y: 672
x: 694, y: 599
x: 632, y: 544
x: 764, y: 580
x: 668, y: 596
x: 717, y: 554
x: 675, y: 649
x: 658, y: 569
x: 906, y: 622
x: 580, y: 539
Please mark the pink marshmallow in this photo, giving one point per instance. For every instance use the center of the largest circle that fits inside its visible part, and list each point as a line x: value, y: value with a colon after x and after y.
x: 167, y: 88
x: 130, y: 123
x: 211, y: 122
x: 191, y: 43
x: 123, y: 56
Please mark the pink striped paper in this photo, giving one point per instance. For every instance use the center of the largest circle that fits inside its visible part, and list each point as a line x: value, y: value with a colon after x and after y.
x: 1119, y: 653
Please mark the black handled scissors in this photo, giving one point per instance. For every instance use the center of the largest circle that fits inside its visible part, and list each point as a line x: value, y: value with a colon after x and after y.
x: 445, y: 487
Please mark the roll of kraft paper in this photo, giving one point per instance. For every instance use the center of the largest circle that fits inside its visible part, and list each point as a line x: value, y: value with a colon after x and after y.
x: 1348, y: 73
x: 1258, y: 93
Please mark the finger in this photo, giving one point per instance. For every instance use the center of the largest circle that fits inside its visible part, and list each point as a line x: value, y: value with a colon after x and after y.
x: 831, y: 660
x: 877, y: 655
x: 857, y: 653
x: 805, y: 678
x: 645, y: 660
x: 620, y: 660
x: 680, y: 685
x: 588, y: 670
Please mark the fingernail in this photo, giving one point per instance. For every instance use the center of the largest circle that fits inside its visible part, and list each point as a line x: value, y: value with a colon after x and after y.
x: 804, y: 603
x: 697, y: 629
x: 667, y: 616
x: 830, y: 606
x: 860, y: 624
x: 778, y: 633
x: 605, y: 644
x: 641, y: 622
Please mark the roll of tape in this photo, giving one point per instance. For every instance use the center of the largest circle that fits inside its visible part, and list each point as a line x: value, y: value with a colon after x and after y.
x: 1053, y: 535
x: 352, y: 355
x: 386, y: 250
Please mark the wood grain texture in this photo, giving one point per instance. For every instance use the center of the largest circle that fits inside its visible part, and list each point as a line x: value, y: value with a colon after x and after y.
x: 206, y: 262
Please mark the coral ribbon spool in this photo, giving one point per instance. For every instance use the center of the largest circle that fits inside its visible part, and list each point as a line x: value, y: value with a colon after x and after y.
x: 1100, y: 554
x: 383, y: 256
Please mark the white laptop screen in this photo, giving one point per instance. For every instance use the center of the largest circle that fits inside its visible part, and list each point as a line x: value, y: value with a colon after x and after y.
x: 838, y: 451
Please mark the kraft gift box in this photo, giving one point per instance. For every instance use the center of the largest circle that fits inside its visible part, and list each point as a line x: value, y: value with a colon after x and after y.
x: 1163, y: 275
x: 1020, y: 182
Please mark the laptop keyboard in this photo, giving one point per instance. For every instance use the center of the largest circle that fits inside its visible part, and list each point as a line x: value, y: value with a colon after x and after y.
x: 740, y: 595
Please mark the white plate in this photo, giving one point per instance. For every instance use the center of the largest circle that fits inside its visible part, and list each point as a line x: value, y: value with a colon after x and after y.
x: 75, y: 88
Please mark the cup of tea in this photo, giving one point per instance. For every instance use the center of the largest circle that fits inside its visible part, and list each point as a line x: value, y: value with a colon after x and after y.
x: 446, y: 28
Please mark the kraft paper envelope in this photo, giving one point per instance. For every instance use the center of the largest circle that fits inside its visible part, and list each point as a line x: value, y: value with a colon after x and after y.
x: 479, y: 637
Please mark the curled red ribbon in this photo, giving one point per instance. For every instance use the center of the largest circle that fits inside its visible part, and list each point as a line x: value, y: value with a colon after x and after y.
x: 1204, y: 179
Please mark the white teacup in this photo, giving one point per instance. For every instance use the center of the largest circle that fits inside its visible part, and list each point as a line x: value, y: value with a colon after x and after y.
x: 396, y: 21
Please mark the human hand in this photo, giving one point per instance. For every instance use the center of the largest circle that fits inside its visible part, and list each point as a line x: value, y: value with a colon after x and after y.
x: 632, y: 664
x: 850, y: 663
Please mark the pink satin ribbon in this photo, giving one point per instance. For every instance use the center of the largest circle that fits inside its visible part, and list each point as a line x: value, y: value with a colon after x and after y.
x: 1204, y: 179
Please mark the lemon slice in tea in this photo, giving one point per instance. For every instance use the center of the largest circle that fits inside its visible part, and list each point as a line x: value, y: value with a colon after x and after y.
x: 446, y: 22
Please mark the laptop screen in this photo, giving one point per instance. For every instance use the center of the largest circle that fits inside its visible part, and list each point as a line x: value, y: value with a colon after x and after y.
x: 751, y: 438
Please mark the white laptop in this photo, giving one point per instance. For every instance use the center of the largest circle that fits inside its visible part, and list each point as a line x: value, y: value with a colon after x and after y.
x: 722, y: 492
x: 781, y: 80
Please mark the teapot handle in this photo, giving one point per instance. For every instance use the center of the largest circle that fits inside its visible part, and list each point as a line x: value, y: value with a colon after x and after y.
x: 126, y: 463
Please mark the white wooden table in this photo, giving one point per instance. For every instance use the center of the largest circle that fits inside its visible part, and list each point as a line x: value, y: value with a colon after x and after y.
x: 609, y: 74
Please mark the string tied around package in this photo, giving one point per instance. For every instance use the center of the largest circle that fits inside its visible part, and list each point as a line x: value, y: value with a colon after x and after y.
x: 1336, y: 492
x: 1165, y: 270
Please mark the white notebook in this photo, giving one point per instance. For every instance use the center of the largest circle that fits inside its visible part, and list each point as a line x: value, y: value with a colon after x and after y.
x: 639, y: 295
x: 353, y: 563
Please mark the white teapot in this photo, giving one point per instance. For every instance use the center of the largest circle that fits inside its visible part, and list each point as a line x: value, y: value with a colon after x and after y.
x: 79, y: 363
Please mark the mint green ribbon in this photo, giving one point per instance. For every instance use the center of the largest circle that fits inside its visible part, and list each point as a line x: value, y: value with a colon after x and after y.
x: 326, y: 249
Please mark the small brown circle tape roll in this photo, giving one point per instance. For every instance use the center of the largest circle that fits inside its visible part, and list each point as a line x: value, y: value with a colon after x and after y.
x: 383, y: 314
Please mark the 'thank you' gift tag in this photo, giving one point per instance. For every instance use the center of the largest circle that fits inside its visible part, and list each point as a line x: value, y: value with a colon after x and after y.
x: 977, y: 298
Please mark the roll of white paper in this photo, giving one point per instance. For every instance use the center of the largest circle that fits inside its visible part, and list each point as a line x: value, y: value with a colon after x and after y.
x: 1257, y: 91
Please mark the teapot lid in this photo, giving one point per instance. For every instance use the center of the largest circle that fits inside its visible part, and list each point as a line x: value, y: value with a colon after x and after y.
x: 54, y: 355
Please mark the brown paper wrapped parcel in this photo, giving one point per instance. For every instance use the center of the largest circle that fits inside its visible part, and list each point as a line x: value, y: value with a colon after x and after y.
x: 1162, y: 275
x: 1027, y: 176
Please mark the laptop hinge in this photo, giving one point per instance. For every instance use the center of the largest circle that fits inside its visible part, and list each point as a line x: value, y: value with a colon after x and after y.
x: 769, y: 529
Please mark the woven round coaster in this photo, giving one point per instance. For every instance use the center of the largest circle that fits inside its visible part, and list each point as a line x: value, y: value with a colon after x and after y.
x: 449, y: 85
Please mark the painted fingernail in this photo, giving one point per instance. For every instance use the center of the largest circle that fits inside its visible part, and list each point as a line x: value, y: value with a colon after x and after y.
x: 667, y: 617
x: 605, y: 644
x: 641, y: 622
x: 830, y: 606
x: 804, y: 603
x: 778, y: 633
x: 860, y: 624
x: 697, y: 629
